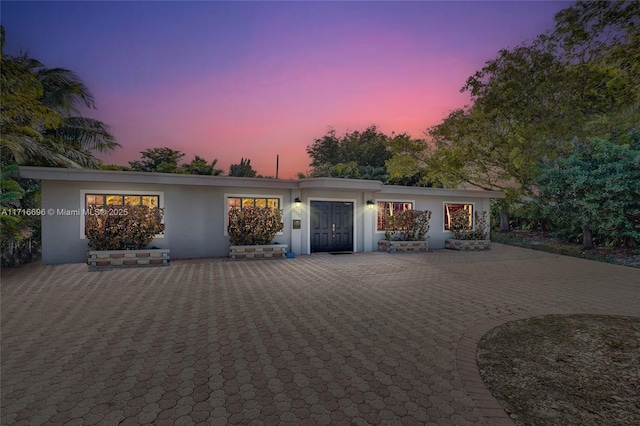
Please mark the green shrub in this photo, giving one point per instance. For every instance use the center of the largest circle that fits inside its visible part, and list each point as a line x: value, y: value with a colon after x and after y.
x: 123, y: 227
x: 407, y: 225
x: 19, y: 233
x: 463, y: 231
x: 254, y: 225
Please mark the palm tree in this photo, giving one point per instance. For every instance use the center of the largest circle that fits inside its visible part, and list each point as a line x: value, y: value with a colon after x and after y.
x: 66, y: 94
x: 41, y: 121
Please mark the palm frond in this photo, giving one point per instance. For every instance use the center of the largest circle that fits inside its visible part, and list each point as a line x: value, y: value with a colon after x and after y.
x: 21, y: 148
x: 68, y: 156
x: 64, y: 91
x: 86, y: 134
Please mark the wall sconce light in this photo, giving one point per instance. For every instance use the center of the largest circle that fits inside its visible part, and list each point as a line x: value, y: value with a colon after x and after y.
x: 370, y: 204
x: 298, y: 201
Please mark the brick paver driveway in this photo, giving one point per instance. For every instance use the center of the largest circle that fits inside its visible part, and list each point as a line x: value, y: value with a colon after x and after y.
x: 367, y: 338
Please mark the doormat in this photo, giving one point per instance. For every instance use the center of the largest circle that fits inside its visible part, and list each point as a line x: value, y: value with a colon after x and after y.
x: 340, y: 252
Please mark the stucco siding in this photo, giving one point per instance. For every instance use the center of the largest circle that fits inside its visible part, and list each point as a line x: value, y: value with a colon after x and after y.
x: 62, y: 240
x: 195, y: 208
x: 194, y: 218
x: 436, y: 235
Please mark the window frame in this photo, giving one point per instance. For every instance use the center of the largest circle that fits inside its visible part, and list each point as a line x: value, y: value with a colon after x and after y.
x: 444, y: 216
x: 254, y: 196
x: 378, y: 231
x: 124, y: 193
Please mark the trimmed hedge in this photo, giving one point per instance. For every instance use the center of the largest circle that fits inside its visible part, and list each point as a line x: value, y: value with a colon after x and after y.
x: 254, y: 225
x: 123, y: 227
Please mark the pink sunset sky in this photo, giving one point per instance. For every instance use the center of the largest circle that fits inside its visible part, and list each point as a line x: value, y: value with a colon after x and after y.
x: 228, y: 80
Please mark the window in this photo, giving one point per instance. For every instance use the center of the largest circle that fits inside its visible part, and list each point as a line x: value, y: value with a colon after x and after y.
x: 104, y: 200
x: 242, y: 202
x: 387, y: 209
x: 450, y: 208
x: 99, y: 199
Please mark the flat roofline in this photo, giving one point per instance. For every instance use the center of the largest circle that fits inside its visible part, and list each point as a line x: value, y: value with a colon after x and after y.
x: 83, y: 175
x: 335, y: 184
x: 413, y: 190
x: 341, y: 184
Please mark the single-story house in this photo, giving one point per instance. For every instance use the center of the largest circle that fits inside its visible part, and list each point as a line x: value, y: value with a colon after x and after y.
x: 320, y: 214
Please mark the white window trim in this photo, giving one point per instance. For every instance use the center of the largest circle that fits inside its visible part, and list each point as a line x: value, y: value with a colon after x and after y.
x: 226, y: 207
x: 473, y: 220
x: 384, y: 200
x: 83, y: 197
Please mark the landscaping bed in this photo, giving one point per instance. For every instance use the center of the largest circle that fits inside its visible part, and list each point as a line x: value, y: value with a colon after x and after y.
x: 403, y: 246
x: 565, y: 370
x: 109, y: 259
x: 539, y: 240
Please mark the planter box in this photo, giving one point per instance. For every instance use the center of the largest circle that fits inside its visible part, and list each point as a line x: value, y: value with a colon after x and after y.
x: 109, y: 259
x: 467, y: 245
x: 403, y: 246
x: 269, y: 251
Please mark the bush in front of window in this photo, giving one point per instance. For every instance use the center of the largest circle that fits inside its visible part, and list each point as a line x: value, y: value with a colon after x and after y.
x: 254, y: 225
x: 407, y: 225
x: 461, y: 228
x: 123, y: 227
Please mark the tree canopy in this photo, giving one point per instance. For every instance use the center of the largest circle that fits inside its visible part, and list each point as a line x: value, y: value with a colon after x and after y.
x: 41, y: 124
x: 41, y: 121
x: 368, y: 154
x: 530, y: 103
x: 595, y: 191
x: 365, y: 148
x: 200, y: 166
x: 242, y: 169
x: 356, y: 154
x: 167, y: 160
x: 162, y: 160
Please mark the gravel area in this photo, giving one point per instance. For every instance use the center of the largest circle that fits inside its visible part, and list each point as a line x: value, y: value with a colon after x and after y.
x: 565, y: 370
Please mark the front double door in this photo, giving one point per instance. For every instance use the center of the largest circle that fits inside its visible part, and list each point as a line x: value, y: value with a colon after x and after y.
x: 331, y: 226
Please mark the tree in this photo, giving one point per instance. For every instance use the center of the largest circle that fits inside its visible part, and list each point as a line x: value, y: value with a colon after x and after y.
x: 243, y: 169
x: 366, y: 148
x: 357, y: 154
x: 23, y: 117
x: 595, y: 192
x: 531, y: 104
x: 20, y: 236
x: 408, y: 161
x: 162, y: 160
x: 167, y: 160
x: 66, y: 93
x: 199, y: 166
x: 326, y: 150
x: 348, y: 170
x: 41, y: 122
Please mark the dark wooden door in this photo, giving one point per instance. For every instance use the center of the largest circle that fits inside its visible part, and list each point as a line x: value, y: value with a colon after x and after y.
x: 331, y: 226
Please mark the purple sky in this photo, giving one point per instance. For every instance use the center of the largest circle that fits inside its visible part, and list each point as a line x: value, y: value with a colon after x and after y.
x: 254, y: 79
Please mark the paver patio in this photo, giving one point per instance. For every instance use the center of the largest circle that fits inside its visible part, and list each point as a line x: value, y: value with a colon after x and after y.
x: 368, y: 338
